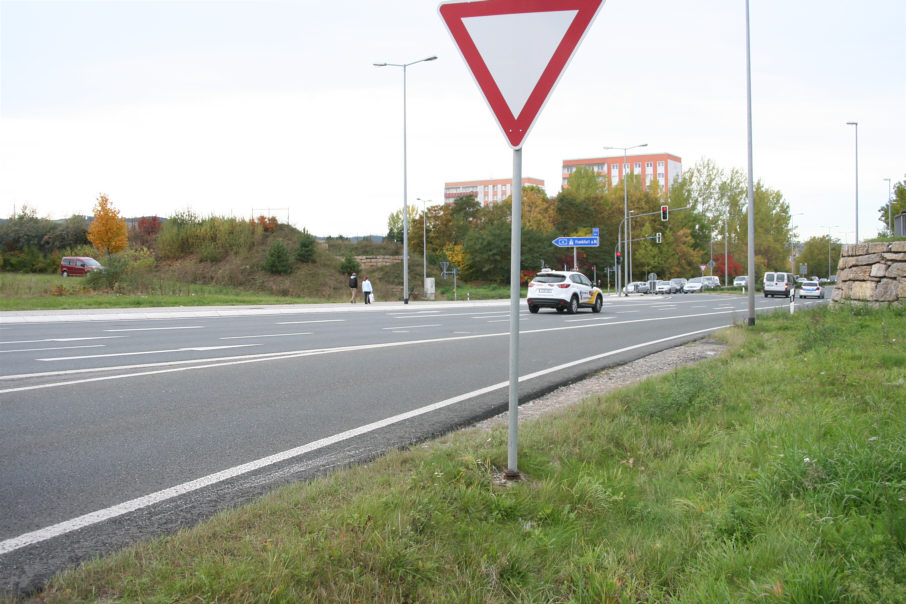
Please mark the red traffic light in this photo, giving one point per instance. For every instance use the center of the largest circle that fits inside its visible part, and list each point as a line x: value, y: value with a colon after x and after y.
x: 664, y: 212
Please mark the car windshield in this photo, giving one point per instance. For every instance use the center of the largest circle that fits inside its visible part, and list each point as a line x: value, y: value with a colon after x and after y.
x: 695, y: 280
x: 768, y: 277
x: 549, y: 278
x: 810, y: 284
x: 91, y: 262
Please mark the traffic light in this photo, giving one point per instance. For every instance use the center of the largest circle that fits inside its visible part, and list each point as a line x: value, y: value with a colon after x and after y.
x: 658, y: 238
x: 619, y: 258
x: 664, y: 211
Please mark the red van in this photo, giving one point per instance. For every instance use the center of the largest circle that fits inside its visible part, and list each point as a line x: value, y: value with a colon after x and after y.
x: 78, y: 266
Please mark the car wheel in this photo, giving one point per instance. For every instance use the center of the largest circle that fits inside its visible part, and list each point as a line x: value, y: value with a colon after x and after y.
x: 573, y: 305
x: 65, y: 274
x: 599, y: 303
x: 532, y: 308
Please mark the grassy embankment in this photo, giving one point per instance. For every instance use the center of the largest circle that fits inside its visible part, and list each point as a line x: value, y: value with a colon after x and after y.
x: 775, y: 473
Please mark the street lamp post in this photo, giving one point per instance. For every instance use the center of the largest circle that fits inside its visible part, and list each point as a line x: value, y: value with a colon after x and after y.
x: 829, y: 227
x: 626, y: 210
x: 792, y: 254
x: 889, y: 207
x: 424, y: 239
x: 856, y: 124
x: 405, y: 179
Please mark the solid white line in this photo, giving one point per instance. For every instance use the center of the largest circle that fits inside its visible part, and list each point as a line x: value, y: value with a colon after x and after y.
x: 62, y: 340
x: 54, y: 348
x: 410, y: 326
x: 140, y: 352
x: 74, y: 524
x: 267, y: 335
x: 301, y: 322
x: 157, y: 328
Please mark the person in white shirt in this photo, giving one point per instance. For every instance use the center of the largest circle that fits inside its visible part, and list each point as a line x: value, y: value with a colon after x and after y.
x: 367, y: 290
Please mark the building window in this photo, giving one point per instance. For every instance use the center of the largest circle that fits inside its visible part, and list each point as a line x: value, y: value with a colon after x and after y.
x: 660, y: 164
x: 647, y: 164
x: 638, y: 165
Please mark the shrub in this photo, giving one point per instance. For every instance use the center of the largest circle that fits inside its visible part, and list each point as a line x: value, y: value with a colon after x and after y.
x: 349, y: 265
x: 305, y: 252
x: 278, y: 260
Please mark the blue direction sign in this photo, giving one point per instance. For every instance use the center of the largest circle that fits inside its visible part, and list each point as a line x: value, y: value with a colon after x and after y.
x: 576, y: 241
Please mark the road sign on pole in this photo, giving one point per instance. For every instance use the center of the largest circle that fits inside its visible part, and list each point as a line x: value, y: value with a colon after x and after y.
x: 576, y: 241
x: 516, y: 73
x: 517, y: 51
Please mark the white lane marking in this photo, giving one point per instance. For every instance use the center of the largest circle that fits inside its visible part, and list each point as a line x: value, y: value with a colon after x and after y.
x: 54, y: 348
x: 291, y: 354
x: 595, y: 318
x: 74, y: 524
x: 157, y: 328
x: 141, y: 352
x: 302, y: 322
x: 410, y: 326
x: 498, y: 321
x: 62, y: 340
x: 267, y: 335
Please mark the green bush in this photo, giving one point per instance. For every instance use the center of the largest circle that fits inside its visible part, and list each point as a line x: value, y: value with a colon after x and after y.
x: 278, y: 260
x: 305, y: 252
x: 349, y: 265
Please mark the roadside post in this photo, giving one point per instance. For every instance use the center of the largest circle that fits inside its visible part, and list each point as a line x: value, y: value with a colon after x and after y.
x: 516, y: 51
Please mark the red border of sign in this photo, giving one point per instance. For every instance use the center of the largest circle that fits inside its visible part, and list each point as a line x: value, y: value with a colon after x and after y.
x: 516, y: 128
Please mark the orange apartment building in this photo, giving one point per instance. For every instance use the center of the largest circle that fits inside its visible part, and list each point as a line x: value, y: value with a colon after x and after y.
x: 664, y: 167
x: 486, y: 191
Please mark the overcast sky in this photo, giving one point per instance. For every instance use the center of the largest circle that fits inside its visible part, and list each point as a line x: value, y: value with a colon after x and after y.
x: 275, y: 107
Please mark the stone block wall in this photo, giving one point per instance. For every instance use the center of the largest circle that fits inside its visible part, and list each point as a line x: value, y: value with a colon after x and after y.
x: 872, y: 272
x: 375, y: 261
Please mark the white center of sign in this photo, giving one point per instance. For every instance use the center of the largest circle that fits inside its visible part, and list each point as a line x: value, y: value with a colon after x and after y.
x: 531, y: 40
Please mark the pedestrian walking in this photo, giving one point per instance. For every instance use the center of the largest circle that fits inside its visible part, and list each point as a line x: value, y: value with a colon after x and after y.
x: 354, y: 286
x: 367, y: 290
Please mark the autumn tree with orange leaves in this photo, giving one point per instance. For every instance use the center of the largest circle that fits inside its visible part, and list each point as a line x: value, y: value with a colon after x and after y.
x: 107, y: 231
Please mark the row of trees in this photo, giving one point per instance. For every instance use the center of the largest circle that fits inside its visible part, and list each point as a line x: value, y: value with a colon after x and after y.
x: 708, y: 210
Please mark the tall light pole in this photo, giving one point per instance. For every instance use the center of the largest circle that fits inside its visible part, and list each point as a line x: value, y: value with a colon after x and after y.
x: 626, y: 211
x: 750, y: 189
x: 889, y: 207
x: 829, y: 227
x: 405, y: 180
x: 856, y: 124
x: 792, y: 255
x: 424, y: 239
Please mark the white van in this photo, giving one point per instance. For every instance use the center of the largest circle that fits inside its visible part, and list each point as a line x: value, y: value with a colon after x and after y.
x: 779, y: 284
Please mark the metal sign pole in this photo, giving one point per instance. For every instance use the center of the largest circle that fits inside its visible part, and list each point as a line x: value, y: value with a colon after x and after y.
x: 515, y: 256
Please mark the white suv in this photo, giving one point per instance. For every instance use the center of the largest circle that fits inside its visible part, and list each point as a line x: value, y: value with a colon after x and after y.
x: 565, y: 291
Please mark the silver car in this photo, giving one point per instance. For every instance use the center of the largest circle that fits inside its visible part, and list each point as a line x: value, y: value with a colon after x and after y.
x: 693, y: 285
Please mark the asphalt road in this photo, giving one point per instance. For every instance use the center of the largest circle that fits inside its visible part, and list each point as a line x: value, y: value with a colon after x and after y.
x: 121, y: 425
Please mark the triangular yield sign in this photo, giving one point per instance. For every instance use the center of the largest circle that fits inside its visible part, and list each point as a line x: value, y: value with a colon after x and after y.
x: 517, y: 50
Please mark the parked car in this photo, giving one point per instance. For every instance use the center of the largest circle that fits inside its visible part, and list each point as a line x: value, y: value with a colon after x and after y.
x: 710, y: 282
x: 665, y: 287
x: 78, y: 266
x: 811, y: 289
x: 779, y: 284
x: 740, y: 281
x: 636, y: 287
x: 678, y: 283
x: 565, y: 291
x: 693, y: 285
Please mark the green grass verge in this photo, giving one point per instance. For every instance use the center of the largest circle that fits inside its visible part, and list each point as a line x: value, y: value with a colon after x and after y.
x: 774, y: 473
x: 53, y: 292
